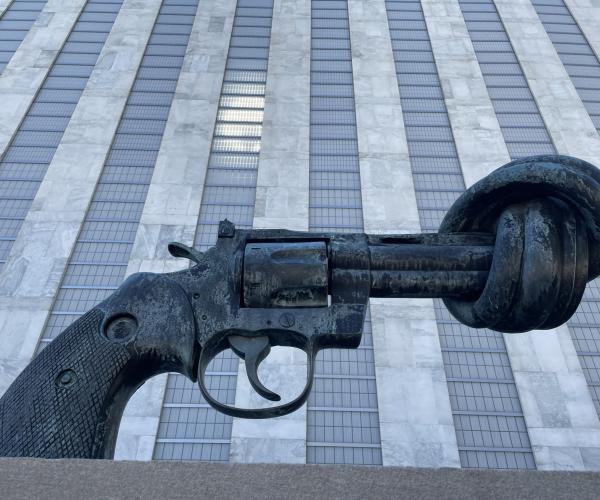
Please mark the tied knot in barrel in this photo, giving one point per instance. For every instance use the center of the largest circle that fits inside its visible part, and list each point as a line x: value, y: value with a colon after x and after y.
x: 545, y: 213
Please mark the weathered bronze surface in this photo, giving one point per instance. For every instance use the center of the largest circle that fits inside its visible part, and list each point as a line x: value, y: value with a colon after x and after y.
x: 514, y: 253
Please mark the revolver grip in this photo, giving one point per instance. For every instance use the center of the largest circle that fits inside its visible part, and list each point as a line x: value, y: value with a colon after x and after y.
x: 68, y: 401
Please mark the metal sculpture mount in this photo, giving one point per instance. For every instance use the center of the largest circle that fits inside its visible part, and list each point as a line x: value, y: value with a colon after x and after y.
x: 514, y: 253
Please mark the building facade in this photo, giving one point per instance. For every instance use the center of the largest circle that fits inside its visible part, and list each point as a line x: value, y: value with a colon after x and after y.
x: 125, y: 125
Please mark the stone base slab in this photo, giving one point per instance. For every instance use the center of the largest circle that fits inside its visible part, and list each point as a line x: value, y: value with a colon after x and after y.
x: 76, y: 479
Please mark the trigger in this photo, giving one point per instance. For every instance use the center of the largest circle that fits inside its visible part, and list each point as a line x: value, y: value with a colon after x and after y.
x: 253, y: 350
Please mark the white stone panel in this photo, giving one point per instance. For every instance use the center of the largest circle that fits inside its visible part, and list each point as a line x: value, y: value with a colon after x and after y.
x: 25, y: 72
x: 587, y: 15
x: 477, y: 135
x: 414, y: 407
x: 282, y: 184
x: 417, y: 429
x: 554, y: 396
x: 173, y: 202
x: 4, y: 5
x: 34, y: 268
x: 566, y: 119
x: 562, y: 422
x: 281, y: 202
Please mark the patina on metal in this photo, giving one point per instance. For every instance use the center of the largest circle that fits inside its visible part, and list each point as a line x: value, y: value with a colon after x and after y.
x: 514, y: 253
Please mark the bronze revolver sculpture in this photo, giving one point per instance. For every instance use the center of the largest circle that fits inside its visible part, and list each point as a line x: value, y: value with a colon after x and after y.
x: 514, y: 253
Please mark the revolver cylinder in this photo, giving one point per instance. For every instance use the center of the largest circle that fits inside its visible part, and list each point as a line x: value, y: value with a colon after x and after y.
x: 291, y: 274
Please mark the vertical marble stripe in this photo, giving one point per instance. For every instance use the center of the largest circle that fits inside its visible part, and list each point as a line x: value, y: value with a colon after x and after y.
x: 490, y: 427
x: 587, y: 15
x: 189, y: 428
x: 414, y: 407
x: 556, y: 405
x: 173, y: 203
x: 342, y: 418
x: 566, y: 119
x: 22, y: 78
x: 35, y: 266
x: 477, y: 135
x: 4, y: 5
x: 281, y: 201
x: 16, y: 20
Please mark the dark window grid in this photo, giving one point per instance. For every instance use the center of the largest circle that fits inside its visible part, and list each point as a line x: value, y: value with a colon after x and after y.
x: 234, y: 155
x: 342, y: 427
x: 342, y: 455
x: 251, y: 41
x: 332, y: 90
x: 10, y: 228
x: 12, y: 208
x: 424, y: 151
x: 484, y: 397
x: 240, y: 116
x: 344, y: 379
x: 246, y: 76
x: 331, y: 54
x: 31, y: 151
x: 186, y: 395
x: 345, y: 420
x: 331, y: 78
x: 335, y: 179
x: 566, y: 55
x: 329, y: 33
x: 417, y: 56
x: 242, y: 102
x: 572, y: 50
x: 211, y: 215
x: 558, y: 25
x: 501, y: 431
x: 212, y: 452
x: 351, y: 394
x: 496, y: 459
x: 230, y: 132
x: 254, y: 22
x: 20, y: 15
x: 538, y: 141
x: 236, y: 88
x: 493, y: 439
x: 18, y: 189
x: 225, y: 177
x: 101, y: 253
x: 589, y: 97
x: 336, y: 199
x: 335, y: 217
x: 175, y: 423
x: 342, y: 164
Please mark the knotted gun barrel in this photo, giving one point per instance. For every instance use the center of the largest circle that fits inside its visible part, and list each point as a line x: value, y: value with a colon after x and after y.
x: 514, y: 253
x: 545, y: 214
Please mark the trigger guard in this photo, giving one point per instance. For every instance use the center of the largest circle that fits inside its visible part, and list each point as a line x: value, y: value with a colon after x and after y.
x: 207, y: 355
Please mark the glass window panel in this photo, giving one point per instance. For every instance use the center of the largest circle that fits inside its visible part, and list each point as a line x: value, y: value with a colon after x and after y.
x: 189, y: 429
x: 26, y: 159
x: 17, y: 20
x: 342, y: 407
x: 478, y: 371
